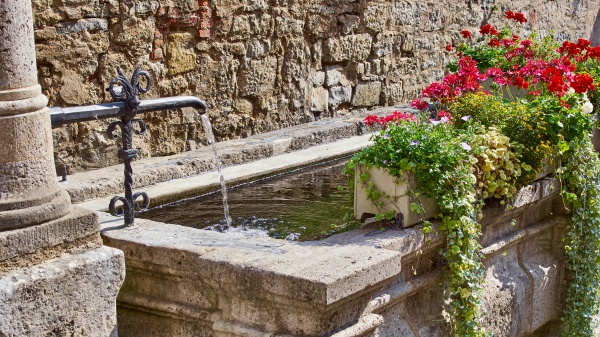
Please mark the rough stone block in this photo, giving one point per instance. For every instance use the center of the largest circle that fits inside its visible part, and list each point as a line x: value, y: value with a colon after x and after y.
x: 393, y: 93
x: 251, y: 25
x: 367, y: 94
x: 506, y: 295
x: 540, y: 261
x: 347, y: 48
x: 180, y: 53
x: 395, y: 323
x: 258, y: 48
x: 73, y: 295
x: 83, y: 25
x: 258, y: 76
x: 318, y: 79
x: 285, y: 26
x: 332, y: 76
x: 339, y: 95
x: 319, y: 100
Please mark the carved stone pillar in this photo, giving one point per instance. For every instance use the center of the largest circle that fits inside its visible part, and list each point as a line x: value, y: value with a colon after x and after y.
x: 29, y: 191
x: 56, y: 277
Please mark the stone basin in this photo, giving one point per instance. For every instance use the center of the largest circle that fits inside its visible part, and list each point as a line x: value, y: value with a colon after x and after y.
x: 183, y: 281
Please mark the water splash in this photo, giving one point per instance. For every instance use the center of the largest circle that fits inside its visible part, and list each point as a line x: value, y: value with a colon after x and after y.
x: 211, y: 141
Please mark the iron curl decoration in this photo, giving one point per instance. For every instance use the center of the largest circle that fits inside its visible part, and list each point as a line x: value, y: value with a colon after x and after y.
x: 126, y: 90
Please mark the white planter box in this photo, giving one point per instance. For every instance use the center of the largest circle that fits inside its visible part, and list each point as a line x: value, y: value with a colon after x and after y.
x: 398, y: 191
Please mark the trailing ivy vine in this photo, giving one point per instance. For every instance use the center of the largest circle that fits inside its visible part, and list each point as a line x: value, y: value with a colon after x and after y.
x: 582, y: 239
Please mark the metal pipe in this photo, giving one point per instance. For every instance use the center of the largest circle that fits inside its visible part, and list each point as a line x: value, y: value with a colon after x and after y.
x: 61, y: 116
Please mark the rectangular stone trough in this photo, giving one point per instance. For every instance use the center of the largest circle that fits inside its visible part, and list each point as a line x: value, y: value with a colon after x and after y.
x: 368, y: 282
x: 187, y: 282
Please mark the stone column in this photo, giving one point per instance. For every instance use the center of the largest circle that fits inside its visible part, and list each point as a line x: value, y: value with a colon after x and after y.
x: 56, y: 277
x: 29, y: 191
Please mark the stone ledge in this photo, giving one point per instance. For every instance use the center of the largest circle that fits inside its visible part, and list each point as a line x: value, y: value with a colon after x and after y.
x: 79, y: 223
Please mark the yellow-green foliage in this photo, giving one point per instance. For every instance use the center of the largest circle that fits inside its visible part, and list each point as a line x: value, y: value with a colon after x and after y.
x: 484, y: 108
x: 495, y: 165
x: 527, y: 127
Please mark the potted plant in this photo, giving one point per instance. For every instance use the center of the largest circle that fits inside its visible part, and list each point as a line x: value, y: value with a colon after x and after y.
x: 468, y: 144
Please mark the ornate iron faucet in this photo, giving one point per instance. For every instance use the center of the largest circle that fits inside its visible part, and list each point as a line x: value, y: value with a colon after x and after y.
x: 124, y: 90
x: 125, y: 106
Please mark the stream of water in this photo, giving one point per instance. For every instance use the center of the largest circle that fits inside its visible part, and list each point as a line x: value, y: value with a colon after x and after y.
x: 211, y: 141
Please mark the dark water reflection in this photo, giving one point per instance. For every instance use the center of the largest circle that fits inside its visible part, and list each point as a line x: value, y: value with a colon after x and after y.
x: 305, y: 204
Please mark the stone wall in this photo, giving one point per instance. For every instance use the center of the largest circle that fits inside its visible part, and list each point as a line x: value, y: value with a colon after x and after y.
x: 259, y: 64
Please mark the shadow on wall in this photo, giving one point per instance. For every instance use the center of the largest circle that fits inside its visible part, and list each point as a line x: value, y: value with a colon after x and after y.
x: 595, y: 36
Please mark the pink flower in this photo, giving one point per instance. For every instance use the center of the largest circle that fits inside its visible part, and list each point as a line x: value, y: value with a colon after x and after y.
x: 419, y: 104
x: 526, y: 43
x: 437, y: 91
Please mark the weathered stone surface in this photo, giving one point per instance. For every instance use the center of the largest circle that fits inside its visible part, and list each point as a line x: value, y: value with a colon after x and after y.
x: 347, y: 48
x: 333, y: 76
x: 73, y: 294
x: 319, y: 100
x: 83, y: 25
x: 258, y: 77
x: 367, y: 94
x: 339, y: 95
x: 398, y: 43
x: 305, y: 313
x: 180, y: 53
x: 245, y: 26
x: 29, y: 245
x: 318, y: 79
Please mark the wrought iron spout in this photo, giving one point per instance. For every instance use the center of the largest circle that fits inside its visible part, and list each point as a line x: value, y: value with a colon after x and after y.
x: 62, y: 116
x: 126, y: 106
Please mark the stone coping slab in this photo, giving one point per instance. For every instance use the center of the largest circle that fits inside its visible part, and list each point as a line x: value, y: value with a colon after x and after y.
x: 149, y: 171
x: 321, y: 273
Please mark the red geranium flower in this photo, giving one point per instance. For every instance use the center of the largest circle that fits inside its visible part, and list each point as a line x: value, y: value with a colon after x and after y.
x: 488, y: 29
x: 371, y: 120
x: 444, y: 114
x: 565, y: 104
x: 519, y: 17
x: 583, y: 43
x: 593, y: 52
x: 521, y: 83
x: 466, y: 34
x: 557, y: 85
x: 449, y: 47
x: 581, y: 83
x: 526, y: 43
x: 494, y: 43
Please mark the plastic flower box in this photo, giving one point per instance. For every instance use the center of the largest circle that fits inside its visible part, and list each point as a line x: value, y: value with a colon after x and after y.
x: 400, y: 200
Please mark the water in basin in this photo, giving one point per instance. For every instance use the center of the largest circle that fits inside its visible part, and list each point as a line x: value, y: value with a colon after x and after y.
x: 305, y: 204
